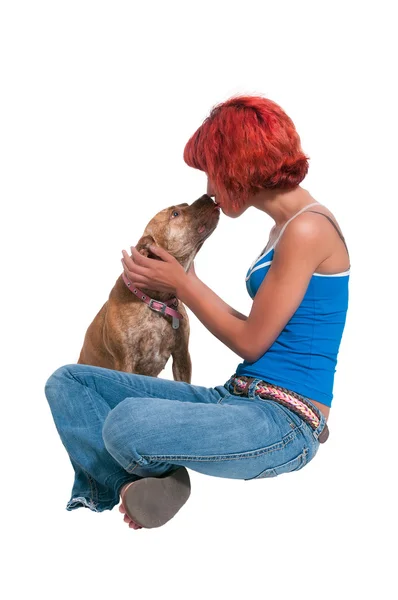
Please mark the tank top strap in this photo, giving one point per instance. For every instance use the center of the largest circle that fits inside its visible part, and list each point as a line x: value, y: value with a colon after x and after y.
x: 291, y: 219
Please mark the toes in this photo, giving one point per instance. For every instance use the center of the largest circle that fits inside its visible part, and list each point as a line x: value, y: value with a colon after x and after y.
x: 132, y: 524
x: 122, y: 509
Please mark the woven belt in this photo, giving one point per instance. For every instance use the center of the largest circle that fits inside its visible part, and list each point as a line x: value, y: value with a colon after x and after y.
x: 296, y: 403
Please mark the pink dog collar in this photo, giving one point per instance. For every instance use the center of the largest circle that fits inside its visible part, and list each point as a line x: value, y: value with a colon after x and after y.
x: 161, y: 307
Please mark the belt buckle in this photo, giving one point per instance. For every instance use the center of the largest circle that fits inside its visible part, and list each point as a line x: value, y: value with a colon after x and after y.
x: 237, y: 391
x: 242, y: 391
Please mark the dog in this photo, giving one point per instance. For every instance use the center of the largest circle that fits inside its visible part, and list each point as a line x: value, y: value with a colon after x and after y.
x: 129, y: 335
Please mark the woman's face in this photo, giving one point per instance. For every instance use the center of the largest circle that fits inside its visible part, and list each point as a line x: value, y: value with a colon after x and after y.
x: 210, y: 189
x: 228, y: 212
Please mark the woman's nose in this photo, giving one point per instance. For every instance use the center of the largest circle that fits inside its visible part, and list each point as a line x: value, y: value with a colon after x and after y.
x: 210, y: 190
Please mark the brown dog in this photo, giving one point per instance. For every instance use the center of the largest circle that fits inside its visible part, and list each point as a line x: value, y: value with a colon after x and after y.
x: 127, y: 335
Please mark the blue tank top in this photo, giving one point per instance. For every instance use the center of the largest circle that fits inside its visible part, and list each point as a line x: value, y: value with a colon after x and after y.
x: 303, y: 358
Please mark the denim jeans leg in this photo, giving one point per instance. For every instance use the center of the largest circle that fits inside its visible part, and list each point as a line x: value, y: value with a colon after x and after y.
x: 118, y: 427
x: 79, y: 411
x: 235, y: 438
x: 80, y: 398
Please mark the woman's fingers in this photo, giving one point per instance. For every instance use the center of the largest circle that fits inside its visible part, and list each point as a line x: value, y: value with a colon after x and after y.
x: 132, y: 265
x: 137, y: 280
x: 149, y: 273
x: 140, y: 259
x: 161, y: 252
x: 135, y: 277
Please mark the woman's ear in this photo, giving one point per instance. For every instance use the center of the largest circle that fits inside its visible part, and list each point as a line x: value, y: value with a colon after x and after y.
x: 143, y: 245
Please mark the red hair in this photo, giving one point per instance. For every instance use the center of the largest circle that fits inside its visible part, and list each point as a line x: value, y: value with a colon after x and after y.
x: 247, y: 144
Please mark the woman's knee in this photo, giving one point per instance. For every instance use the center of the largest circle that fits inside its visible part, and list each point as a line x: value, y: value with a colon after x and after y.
x: 119, y: 433
x: 115, y: 425
x: 109, y: 431
x: 127, y: 424
x: 57, y: 380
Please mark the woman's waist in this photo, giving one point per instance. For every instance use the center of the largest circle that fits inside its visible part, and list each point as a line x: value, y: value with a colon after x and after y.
x: 309, y: 411
x: 325, y: 410
x: 310, y: 382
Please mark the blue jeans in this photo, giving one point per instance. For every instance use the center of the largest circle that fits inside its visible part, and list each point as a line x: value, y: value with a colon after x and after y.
x: 119, y: 427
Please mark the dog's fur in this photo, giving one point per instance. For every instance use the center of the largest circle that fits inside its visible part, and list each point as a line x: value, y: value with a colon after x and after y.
x: 126, y: 335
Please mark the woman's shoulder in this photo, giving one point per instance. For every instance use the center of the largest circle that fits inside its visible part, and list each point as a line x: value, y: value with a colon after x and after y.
x: 313, y: 216
x: 325, y: 226
x: 320, y: 209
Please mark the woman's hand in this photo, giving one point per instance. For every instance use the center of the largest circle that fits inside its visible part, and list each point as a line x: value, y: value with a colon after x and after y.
x: 164, y: 275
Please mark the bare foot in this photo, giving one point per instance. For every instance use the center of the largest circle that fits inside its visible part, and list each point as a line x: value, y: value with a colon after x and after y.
x: 132, y: 524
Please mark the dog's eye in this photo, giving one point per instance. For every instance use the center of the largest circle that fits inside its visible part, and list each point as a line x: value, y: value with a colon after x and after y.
x: 175, y: 213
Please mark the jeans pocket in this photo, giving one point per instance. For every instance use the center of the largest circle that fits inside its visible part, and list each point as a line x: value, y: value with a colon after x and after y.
x: 292, y: 465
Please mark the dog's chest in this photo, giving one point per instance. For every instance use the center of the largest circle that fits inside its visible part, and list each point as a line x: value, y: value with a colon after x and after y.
x: 149, y: 341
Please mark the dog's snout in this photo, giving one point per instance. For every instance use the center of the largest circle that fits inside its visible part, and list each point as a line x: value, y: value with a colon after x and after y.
x: 207, y: 199
x: 203, y: 202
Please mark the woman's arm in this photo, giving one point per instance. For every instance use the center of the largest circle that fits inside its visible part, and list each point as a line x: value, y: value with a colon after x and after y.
x: 234, y: 312
x: 223, y: 305
x: 224, y: 322
x: 298, y: 254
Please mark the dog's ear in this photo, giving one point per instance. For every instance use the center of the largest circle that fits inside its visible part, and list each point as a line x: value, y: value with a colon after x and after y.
x: 143, y: 245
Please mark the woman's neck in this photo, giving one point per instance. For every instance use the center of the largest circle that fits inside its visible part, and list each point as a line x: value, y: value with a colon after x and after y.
x: 280, y: 205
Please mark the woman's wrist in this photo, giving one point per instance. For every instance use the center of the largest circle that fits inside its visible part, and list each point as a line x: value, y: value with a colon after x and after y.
x: 185, y: 284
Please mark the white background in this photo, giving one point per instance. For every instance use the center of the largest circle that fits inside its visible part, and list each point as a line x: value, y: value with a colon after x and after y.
x: 97, y: 102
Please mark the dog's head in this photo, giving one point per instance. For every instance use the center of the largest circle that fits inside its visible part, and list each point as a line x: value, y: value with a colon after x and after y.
x: 181, y: 229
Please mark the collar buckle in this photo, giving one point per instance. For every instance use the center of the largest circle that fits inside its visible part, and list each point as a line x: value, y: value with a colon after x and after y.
x: 157, y: 309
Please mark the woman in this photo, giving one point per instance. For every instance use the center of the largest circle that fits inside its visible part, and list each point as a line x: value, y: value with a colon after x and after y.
x: 130, y: 436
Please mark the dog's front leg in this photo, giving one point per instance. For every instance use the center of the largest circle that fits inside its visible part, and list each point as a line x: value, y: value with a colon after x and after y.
x: 182, y: 366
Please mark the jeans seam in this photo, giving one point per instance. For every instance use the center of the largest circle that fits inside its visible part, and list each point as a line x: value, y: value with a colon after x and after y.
x: 91, y: 482
x: 119, y: 383
x: 224, y: 398
x: 303, y: 456
x: 127, y: 386
x: 93, y: 487
x: 223, y: 457
x: 133, y: 462
x: 121, y: 471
